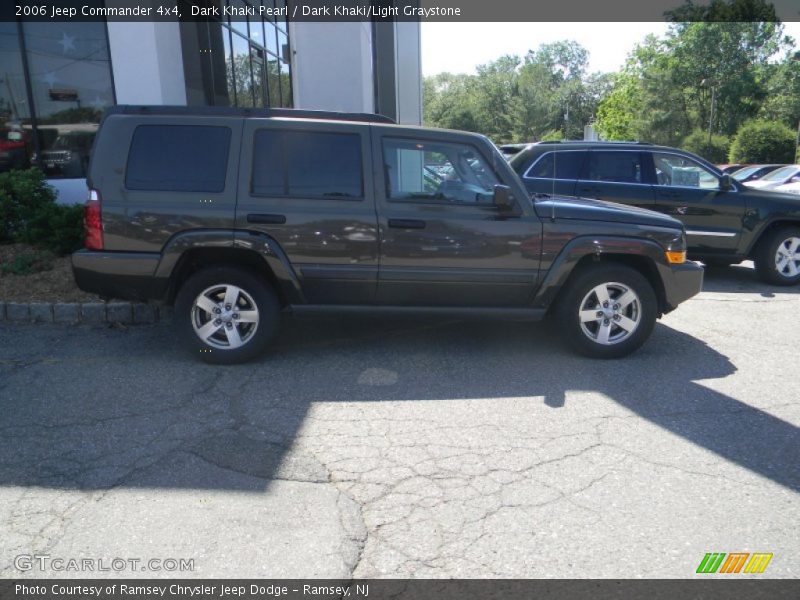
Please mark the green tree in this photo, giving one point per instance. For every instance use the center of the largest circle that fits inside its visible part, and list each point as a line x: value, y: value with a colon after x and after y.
x: 763, y: 142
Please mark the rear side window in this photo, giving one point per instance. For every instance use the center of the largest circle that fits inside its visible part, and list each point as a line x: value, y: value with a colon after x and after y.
x: 620, y: 167
x: 178, y: 158
x: 557, y: 165
x: 304, y: 164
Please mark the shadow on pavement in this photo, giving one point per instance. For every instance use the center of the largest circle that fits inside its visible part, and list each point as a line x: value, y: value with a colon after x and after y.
x: 742, y: 278
x: 98, y: 408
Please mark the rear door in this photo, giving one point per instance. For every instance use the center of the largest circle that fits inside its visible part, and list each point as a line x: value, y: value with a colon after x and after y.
x: 304, y: 184
x: 616, y: 176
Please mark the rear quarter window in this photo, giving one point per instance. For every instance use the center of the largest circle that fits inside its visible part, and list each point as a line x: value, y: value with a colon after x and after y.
x: 557, y: 165
x: 178, y: 158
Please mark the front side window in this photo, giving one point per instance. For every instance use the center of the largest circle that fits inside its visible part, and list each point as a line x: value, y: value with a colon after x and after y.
x: 178, y: 158
x: 615, y: 167
x: 680, y: 171
x: 437, y: 172
x: 557, y: 165
x: 304, y: 164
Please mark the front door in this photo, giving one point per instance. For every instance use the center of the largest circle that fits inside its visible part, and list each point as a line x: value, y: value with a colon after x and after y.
x: 689, y: 191
x: 443, y: 241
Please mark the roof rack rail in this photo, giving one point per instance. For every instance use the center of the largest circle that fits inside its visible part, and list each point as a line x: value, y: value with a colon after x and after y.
x: 263, y: 113
x: 638, y: 142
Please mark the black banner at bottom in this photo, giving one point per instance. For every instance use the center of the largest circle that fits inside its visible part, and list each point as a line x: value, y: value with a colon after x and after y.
x: 395, y: 589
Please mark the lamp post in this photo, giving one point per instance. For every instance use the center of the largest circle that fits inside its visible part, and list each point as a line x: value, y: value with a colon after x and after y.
x: 709, y: 83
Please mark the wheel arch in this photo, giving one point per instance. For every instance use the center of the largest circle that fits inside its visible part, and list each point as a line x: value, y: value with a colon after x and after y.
x: 186, y: 254
x: 768, y: 230
x: 642, y: 255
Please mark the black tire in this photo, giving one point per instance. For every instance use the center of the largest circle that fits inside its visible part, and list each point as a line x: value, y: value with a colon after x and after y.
x: 255, y: 290
x: 765, y: 257
x: 571, y: 302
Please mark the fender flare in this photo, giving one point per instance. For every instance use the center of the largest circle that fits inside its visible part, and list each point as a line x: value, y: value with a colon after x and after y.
x: 580, y: 247
x: 260, y: 243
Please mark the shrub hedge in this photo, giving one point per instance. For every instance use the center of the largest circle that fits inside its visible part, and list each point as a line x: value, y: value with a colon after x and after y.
x: 29, y: 213
x: 763, y: 142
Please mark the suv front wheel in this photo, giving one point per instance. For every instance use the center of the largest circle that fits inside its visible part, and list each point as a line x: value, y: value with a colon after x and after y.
x: 607, y: 311
x: 778, y: 258
x: 226, y: 314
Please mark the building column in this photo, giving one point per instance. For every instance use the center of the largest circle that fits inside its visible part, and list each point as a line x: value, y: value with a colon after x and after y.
x: 146, y: 61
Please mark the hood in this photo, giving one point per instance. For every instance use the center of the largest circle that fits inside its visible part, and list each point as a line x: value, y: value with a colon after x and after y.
x: 586, y: 209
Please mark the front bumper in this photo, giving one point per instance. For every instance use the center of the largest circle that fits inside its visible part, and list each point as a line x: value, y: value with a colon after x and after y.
x: 681, y: 282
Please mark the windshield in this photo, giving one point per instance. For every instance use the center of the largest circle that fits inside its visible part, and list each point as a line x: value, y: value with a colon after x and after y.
x: 781, y: 174
x: 744, y: 173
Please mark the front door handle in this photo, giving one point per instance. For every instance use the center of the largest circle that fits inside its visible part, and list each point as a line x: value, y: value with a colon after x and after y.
x: 266, y: 219
x: 406, y: 224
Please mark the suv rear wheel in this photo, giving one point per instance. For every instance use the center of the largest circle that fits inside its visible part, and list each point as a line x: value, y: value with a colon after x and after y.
x: 607, y: 311
x: 226, y: 314
x: 778, y: 257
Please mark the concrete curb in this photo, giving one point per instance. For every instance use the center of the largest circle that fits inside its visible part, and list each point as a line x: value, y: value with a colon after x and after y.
x: 126, y: 313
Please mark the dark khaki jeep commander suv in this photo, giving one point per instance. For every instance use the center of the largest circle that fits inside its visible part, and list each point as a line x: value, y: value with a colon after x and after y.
x: 236, y: 215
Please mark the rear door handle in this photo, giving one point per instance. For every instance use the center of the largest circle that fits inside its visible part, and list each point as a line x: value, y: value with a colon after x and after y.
x: 266, y: 219
x: 406, y: 224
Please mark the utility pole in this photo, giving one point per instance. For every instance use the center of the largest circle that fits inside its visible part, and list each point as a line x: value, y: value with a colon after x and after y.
x: 710, y: 84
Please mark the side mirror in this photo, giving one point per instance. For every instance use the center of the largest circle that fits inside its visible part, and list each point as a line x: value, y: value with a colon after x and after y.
x: 502, y: 198
x: 725, y: 183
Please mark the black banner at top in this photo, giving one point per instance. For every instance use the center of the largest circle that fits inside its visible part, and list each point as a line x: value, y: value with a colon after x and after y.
x: 402, y: 10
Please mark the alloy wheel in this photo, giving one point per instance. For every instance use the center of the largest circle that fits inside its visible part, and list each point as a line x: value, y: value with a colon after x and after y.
x: 787, y: 257
x: 610, y: 313
x: 224, y: 316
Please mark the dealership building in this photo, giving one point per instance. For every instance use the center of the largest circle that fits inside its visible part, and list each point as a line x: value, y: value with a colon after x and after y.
x: 56, y: 78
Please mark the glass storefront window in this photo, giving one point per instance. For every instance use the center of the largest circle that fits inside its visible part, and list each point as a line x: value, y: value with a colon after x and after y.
x: 246, y: 67
x: 257, y: 56
x: 286, y: 85
x: 274, y: 81
x: 230, y: 79
x: 242, y: 71
x: 239, y: 23
x: 271, y: 35
x: 16, y: 141
x: 70, y: 80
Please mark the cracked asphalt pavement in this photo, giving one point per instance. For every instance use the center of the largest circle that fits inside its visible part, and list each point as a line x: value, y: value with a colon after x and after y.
x: 406, y: 448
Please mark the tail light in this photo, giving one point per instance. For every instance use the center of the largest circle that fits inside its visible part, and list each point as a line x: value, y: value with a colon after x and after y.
x: 93, y: 222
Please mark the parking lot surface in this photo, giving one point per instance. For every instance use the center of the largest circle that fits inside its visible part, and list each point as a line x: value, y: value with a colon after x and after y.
x: 409, y: 448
